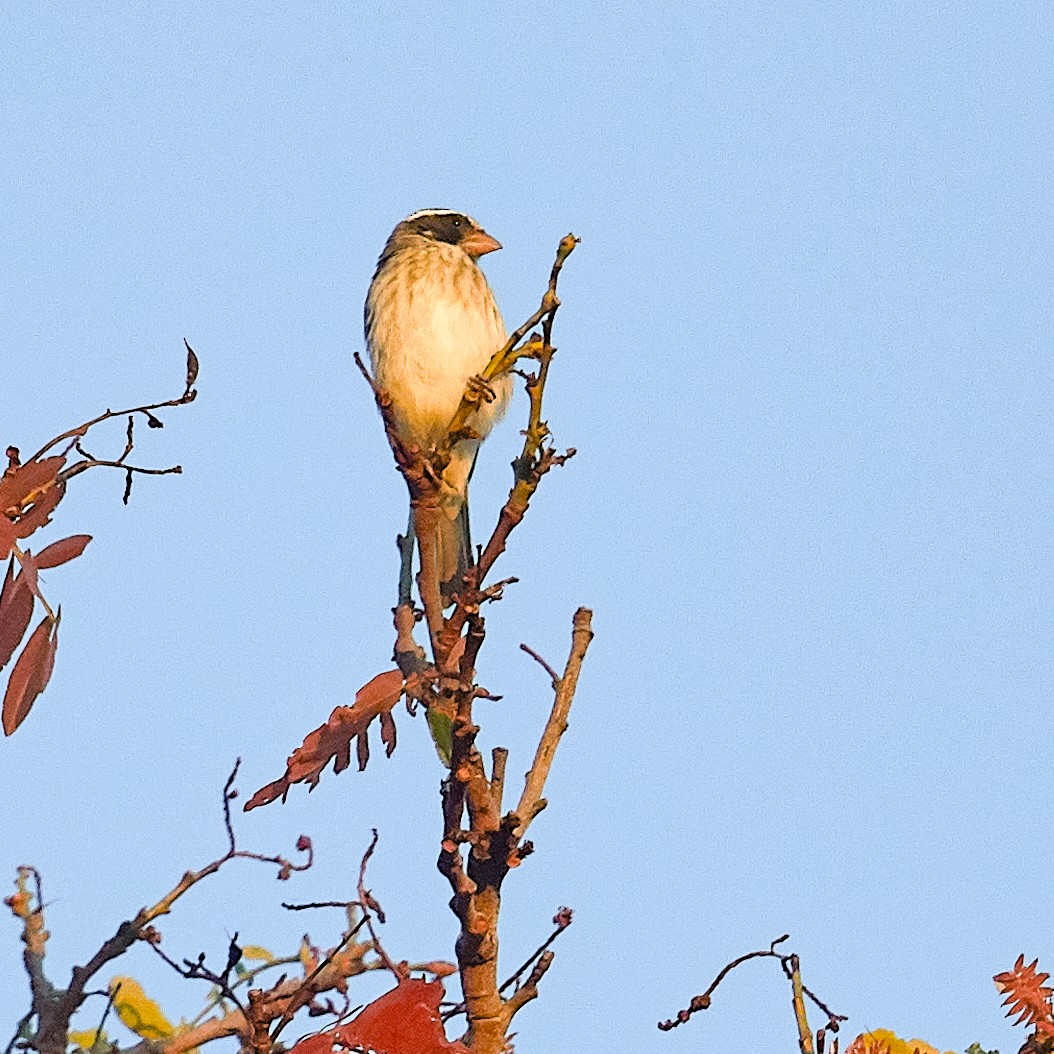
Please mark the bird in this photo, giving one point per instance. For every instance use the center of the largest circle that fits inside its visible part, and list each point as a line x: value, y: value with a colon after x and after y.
x: 431, y: 325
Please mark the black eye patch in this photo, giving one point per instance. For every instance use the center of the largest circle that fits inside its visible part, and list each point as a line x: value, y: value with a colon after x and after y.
x: 449, y: 228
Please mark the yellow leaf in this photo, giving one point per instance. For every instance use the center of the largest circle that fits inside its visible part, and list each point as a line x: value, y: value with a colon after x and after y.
x: 884, y: 1041
x: 138, y: 1011
x: 308, y: 956
x: 87, y: 1039
x: 254, y: 951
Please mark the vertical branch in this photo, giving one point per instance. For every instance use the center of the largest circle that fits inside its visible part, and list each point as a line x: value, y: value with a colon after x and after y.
x: 798, y: 999
x: 531, y: 801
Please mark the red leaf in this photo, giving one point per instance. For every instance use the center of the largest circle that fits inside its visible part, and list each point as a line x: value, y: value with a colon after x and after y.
x: 28, y: 496
x: 16, y: 485
x: 8, y: 536
x: 16, y: 609
x: 388, y: 731
x: 62, y: 551
x: 332, y: 741
x: 403, y: 1021
x: 31, y: 673
x: 1026, y: 994
x: 40, y: 511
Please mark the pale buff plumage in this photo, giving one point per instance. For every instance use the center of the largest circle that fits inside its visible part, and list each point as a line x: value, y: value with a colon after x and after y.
x: 431, y: 325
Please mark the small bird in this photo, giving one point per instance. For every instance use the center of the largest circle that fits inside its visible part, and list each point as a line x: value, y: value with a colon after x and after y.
x: 431, y: 325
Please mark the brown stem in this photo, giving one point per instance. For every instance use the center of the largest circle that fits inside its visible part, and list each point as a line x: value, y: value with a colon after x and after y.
x: 188, y: 396
x: 798, y: 1000
x: 531, y: 801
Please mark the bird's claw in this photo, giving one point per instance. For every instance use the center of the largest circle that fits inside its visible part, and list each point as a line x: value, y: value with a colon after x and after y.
x: 481, y: 389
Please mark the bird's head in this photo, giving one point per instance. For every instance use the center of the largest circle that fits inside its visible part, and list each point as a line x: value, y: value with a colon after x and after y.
x: 446, y: 227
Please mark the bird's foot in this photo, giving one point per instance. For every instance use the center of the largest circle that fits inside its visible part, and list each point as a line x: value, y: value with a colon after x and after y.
x: 480, y: 389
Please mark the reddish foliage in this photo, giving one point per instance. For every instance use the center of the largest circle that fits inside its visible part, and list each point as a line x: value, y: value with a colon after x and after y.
x: 31, y: 673
x: 62, y: 551
x: 402, y: 1021
x: 16, y: 609
x: 28, y: 496
x: 332, y: 741
x: 1027, y: 996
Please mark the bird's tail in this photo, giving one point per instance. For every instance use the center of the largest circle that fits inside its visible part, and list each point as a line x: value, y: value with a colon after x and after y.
x: 454, y: 546
x: 454, y: 541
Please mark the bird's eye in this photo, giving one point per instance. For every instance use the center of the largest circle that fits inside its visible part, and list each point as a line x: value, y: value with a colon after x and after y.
x: 457, y: 223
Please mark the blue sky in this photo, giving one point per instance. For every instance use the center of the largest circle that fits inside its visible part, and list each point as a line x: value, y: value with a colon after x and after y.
x: 805, y: 359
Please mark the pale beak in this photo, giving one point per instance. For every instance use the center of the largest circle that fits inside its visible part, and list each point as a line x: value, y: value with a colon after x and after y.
x: 478, y: 242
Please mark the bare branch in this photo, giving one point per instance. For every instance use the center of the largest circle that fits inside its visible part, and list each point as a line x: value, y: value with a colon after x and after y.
x: 554, y: 677
x: 188, y: 396
x: 530, y: 800
x: 790, y: 966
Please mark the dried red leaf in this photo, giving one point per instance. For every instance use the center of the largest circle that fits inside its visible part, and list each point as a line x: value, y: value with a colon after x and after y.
x: 192, y: 365
x: 31, y: 673
x: 16, y: 609
x: 21, y: 482
x: 62, y: 551
x: 8, y: 536
x: 332, y: 741
x: 403, y: 1021
x: 1026, y: 995
x: 388, y: 731
x: 28, y: 496
x: 40, y: 511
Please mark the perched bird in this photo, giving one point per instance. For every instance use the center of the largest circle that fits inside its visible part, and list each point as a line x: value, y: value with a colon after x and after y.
x: 431, y: 325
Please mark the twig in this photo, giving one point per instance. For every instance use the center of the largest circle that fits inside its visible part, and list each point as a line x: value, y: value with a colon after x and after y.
x: 82, y: 466
x: 554, y: 677
x: 197, y: 970
x: 191, y: 878
x: 562, y: 919
x: 188, y: 396
x: 369, y: 906
x: 243, y: 981
x: 523, y: 995
x: 347, y: 904
x: 110, y: 999
x: 531, y: 799
x: 18, y: 1031
x: 789, y: 964
x: 303, y: 995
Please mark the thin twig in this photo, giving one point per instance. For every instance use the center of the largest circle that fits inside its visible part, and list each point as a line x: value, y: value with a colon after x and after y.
x: 789, y: 964
x: 110, y: 999
x: 82, y: 466
x: 347, y: 904
x: 562, y: 920
x: 369, y: 906
x: 19, y: 1028
x: 188, y: 396
x: 523, y: 995
x: 554, y: 677
x: 530, y: 800
x: 197, y: 970
x: 304, y: 994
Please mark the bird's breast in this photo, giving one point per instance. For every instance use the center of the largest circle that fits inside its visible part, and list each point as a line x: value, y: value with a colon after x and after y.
x: 431, y: 324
